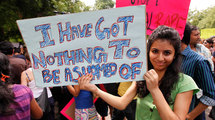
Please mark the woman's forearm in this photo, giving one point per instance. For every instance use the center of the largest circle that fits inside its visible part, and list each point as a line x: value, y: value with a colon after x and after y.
x: 116, y: 101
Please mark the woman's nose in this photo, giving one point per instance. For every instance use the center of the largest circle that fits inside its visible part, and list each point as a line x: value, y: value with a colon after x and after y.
x: 160, y: 57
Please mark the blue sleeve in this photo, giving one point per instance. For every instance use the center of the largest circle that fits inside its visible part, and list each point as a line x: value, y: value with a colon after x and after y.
x: 205, y: 82
x: 207, y: 101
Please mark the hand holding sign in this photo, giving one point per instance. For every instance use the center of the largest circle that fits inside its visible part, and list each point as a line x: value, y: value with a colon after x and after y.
x: 84, y: 83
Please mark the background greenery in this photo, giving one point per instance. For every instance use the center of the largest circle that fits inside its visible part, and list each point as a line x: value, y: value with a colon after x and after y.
x: 203, y: 19
x: 12, y: 10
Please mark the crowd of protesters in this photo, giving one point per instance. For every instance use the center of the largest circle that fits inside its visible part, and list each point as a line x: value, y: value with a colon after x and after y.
x: 179, y: 84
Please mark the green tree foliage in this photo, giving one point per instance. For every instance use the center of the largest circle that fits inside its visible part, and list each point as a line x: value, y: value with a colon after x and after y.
x: 202, y: 19
x: 208, y: 20
x: 103, y: 4
x: 68, y: 6
x: 12, y: 10
x: 194, y: 17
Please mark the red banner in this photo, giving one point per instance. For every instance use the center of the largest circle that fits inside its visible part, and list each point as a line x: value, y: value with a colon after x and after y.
x: 172, y: 13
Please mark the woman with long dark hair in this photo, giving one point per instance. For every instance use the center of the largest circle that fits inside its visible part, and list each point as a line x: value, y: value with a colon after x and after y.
x: 16, y: 101
x: 165, y: 93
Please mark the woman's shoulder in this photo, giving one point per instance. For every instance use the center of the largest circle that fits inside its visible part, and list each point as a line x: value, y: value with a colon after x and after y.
x: 186, y: 83
x: 183, y: 76
x: 19, y: 86
x: 185, y: 79
x: 29, y: 70
x: 23, y: 88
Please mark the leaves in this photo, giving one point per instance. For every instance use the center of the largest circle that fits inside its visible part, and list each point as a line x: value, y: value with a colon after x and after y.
x: 202, y: 19
x: 12, y: 10
x: 67, y: 6
x: 103, y: 4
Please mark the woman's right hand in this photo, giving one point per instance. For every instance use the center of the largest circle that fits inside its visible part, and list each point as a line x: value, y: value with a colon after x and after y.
x: 84, y: 83
x: 152, y: 81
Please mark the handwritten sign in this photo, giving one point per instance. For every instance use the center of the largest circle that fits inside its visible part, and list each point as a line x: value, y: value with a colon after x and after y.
x: 110, y: 44
x: 172, y: 13
x: 207, y: 33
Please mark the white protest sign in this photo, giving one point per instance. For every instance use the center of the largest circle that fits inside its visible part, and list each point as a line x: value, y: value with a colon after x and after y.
x: 110, y: 44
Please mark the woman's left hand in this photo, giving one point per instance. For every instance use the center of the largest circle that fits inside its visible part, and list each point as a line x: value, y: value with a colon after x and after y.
x: 84, y: 83
x: 151, y: 78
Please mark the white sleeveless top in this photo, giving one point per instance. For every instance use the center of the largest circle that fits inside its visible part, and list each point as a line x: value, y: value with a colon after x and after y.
x: 37, y: 90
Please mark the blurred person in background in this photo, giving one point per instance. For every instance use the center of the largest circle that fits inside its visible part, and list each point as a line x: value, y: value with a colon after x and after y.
x: 200, y: 48
x: 27, y: 79
x: 196, y: 66
x: 208, y: 43
x: 17, y: 101
x: 18, y: 64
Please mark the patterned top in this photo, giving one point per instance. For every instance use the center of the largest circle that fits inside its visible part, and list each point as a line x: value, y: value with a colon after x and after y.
x: 201, y: 49
x: 146, y: 110
x: 23, y: 97
x: 199, y: 69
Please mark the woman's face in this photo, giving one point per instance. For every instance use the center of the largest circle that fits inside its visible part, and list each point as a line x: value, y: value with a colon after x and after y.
x: 161, y: 54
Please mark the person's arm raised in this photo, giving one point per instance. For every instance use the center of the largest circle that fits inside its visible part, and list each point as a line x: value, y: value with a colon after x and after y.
x: 115, y: 101
x: 74, y: 90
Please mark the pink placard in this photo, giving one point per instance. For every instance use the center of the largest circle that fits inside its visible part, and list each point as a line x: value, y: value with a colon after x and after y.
x: 69, y: 110
x: 172, y: 13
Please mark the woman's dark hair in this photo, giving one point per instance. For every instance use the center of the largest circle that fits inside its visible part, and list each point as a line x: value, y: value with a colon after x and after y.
x: 210, y: 40
x: 171, y: 75
x: 17, y: 50
x: 6, y: 47
x: 6, y: 93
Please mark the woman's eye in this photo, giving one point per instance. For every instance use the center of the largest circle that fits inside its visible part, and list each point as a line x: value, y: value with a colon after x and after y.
x: 154, y: 51
x: 167, y: 53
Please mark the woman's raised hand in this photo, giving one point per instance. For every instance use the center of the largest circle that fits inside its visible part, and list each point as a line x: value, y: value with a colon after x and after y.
x: 151, y: 78
x: 84, y: 83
